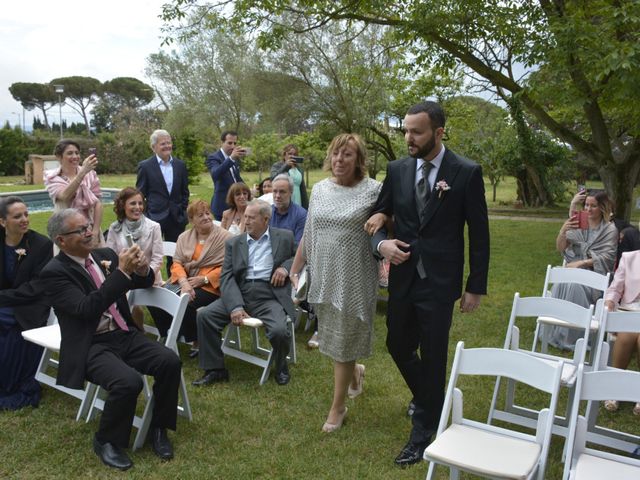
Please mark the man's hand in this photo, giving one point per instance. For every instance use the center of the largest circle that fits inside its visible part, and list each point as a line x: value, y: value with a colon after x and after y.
x: 375, y: 223
x: 238, y: 315
x: 469, y: 302
x: 390, y: 250
x: 237, y: 153
x: 129, y: 259
x: 279, y: 277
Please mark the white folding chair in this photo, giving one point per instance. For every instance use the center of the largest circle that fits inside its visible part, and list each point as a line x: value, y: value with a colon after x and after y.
x: 48, y: 337
x: 260, y: 356
x: 612, y: 322
x: 587, y: 463
x: 175, y: 306
x: 483, y: 449
x: 168, y: 249
x: 562, y: 274
x: 576, y: 317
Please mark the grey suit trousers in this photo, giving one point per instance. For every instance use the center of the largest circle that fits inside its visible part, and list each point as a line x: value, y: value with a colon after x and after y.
x: 259, y: 302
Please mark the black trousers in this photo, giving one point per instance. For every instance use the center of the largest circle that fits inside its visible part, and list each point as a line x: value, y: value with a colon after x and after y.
x: 170, y: 232
x: 115, y: 361
x: 189, y: 328
x: 419, y: 322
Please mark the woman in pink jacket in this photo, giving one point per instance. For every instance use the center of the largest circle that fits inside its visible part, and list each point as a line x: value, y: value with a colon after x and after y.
x: 625, y: 290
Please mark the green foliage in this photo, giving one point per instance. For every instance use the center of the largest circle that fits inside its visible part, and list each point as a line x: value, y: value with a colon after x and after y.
x: 587, y: 53
x: 13, y: 153
x: 188, y: 148
x: 81, y: 92
x: 119, y: 96
x: 34, y: 95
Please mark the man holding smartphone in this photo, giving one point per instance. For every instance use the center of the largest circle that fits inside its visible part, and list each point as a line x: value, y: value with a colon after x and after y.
x: 224, y: 167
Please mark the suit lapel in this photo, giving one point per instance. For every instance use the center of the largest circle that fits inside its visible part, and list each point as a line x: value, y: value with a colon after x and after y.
x: 275, y: 244
x: 76, y: 267
x: 408, y: 181
x: 243, y: 248
x: 448, y: 171
x: 155, y: 168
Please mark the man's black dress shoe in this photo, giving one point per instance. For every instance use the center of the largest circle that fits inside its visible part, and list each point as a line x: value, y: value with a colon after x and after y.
x: 212, y: 376
x: 161, y: 444
x: 111, y: 455
x: 282, y: 376
x: 411, y: 453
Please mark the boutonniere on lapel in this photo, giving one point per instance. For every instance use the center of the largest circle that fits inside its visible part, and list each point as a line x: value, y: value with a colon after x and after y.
x: 21, y: 252
x: 441, y: 187
x: 106, y: 264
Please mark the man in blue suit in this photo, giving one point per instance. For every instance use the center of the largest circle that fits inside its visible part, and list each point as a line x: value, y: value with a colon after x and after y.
x: 164, y: 183
x: 224, y: 168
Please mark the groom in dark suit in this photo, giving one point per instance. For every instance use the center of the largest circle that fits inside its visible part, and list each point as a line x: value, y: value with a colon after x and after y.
x: 164, y: 183
x: 431, y: 195
x: 99, y: 340
x: 254, y: 283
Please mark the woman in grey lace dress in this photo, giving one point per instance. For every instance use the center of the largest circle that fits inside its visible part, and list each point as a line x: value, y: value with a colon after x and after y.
x: 342, y: 269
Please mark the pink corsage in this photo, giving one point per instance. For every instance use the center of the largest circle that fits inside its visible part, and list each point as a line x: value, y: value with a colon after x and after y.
x: 106, y: 264
x: 442, y: 186
x: 21, y: 252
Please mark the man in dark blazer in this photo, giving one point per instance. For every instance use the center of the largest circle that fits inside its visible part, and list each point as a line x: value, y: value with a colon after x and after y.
x: 254, y: 283
x: 427, y: 260
x: 99, y: 340
x: 224, y: 167
x: 164, y: 183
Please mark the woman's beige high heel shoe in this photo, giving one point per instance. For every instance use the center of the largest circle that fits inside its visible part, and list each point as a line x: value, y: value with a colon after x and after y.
x: 332, y: 427
x: 354, y: 392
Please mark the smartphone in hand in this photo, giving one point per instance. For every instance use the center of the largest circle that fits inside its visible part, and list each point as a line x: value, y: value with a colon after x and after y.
x: 129, y: 239
x: 297, y: 159
x: 93, y: 151
x: 583, y: 220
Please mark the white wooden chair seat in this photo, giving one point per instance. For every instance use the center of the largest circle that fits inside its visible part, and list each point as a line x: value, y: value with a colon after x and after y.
x: 569, y: 370
x: 590, y: 467
x: 259, y: 356
x: 595, y: 325
x: 490, y: 454
x: 48, y: 337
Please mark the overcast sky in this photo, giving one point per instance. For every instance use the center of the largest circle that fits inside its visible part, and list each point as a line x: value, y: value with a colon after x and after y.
x: 43, y: 39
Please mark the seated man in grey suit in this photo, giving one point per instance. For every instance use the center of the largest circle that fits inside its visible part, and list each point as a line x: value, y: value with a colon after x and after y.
x: 254, y: 283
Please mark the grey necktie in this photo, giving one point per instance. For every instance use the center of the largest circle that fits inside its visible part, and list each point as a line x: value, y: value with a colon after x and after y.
x: 422, y: 189
x: 422, y: 197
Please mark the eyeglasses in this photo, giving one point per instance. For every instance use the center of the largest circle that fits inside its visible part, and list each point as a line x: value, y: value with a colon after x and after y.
x: 82, y: 230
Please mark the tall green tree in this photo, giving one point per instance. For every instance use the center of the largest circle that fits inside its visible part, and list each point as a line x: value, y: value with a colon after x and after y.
x: 118, y: 95
x: 34, y: 95
x: 81, y: 93
x: 592, y: 48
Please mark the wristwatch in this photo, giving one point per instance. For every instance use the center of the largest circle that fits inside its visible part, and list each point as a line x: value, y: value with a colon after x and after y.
x: 206, y: 280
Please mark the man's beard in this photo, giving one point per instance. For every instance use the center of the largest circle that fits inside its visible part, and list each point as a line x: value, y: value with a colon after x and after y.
x: 426, y: 149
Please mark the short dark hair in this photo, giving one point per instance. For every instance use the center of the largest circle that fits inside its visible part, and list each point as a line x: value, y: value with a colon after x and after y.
x: 6, y: 202
x: 432, y: 109
x: 223, y: 135
x: 62, y: 145
x: 121, y: 199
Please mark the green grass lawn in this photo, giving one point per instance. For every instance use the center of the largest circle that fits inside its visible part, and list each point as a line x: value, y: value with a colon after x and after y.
x: 243, y: 431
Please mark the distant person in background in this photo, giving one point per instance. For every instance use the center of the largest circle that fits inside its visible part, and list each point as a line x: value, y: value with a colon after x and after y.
x: 625, y: 290
x: 197, y: 266
x: 628, y: 241
x: 291, y: 167
x: 224, y: 167
x: 164, y: 182
x: 265, y: 191
x: 238, y: 197
x: 593, y: 248
x: 24, y: 254
x: 76, y: 185
x: 286, y: 214
x: 131, y: 222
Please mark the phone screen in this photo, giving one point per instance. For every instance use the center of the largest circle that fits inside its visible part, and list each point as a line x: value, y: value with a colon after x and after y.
x: 583, y: 220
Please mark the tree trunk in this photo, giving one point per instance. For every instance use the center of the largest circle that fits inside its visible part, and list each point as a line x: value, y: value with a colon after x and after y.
x: 619, y: 180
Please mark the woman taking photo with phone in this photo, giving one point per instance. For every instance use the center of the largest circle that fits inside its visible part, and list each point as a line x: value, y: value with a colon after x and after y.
x: 293, y: 168
x: 76, y: 185
x: 593, y: 248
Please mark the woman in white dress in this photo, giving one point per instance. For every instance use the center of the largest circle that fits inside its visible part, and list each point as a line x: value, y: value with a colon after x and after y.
x: 342, y: 269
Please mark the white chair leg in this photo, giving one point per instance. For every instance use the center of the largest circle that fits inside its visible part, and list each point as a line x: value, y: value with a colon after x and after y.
x: 143, y: 430
x: 185, y: 408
